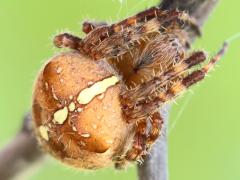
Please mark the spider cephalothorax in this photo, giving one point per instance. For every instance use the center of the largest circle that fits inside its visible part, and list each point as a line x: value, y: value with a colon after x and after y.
x: 148, y: 55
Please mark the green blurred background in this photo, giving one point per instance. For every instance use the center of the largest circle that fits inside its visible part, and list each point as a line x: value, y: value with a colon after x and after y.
x: 204, y: 126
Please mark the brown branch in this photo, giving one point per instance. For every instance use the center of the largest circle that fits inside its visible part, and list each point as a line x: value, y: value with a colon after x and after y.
x: 23, y: 150
x: 155, y: 167
x: 20, y: 153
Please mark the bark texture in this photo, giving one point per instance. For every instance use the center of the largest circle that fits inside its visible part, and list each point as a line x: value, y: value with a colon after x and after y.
x: 21, y: 153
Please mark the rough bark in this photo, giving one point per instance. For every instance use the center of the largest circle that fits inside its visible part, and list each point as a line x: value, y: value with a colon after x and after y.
x: 21, y: 153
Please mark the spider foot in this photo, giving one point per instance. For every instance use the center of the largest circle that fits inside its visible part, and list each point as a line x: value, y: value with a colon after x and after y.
x: 87, y: 26
x: 67, y: 40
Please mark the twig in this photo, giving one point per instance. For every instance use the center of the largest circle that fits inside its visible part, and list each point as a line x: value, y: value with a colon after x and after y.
x: 155, y: 166
x: 20, y: 153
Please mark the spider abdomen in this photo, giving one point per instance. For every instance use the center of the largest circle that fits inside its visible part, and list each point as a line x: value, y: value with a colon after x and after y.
x: 77, y: 112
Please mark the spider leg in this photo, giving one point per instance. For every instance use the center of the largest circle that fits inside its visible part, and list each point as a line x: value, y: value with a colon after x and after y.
x: 157, y: 123
x: 140, y: 106
x: 115, y: 40
x: 111, y: 35
x: 87, y: 26
x: 141, y: 17
x: 162, y: 16
x: 67, y: 40
x: 122, y: 37
x: 138, y: 147
x: 76, y: 43
x: 189, y: 80
x: 158, y: 56
x: 180, y: 68
x: 117, y: 44
x: 142, y: 93
x: 142, y: 141
x: 192, y: 78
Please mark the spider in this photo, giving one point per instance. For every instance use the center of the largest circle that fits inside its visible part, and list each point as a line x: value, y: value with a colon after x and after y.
x: 149, y: 53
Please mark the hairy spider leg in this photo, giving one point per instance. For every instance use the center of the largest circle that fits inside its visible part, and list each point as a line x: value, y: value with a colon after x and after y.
x: 88, y: 26
x: 158, y: 55
x: 192, y: 78
x: 155, y: 12
x: 76, y: 43
x: 120, y: 42
x: 67, y: 40
x: 180, y: 86
x: 141, y: 17
x: 157, y: 123
x: 139, y: 145
x: 142, y: 143
x: 156, y: 120
x: 142, y: 93
x: 102, y: 43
